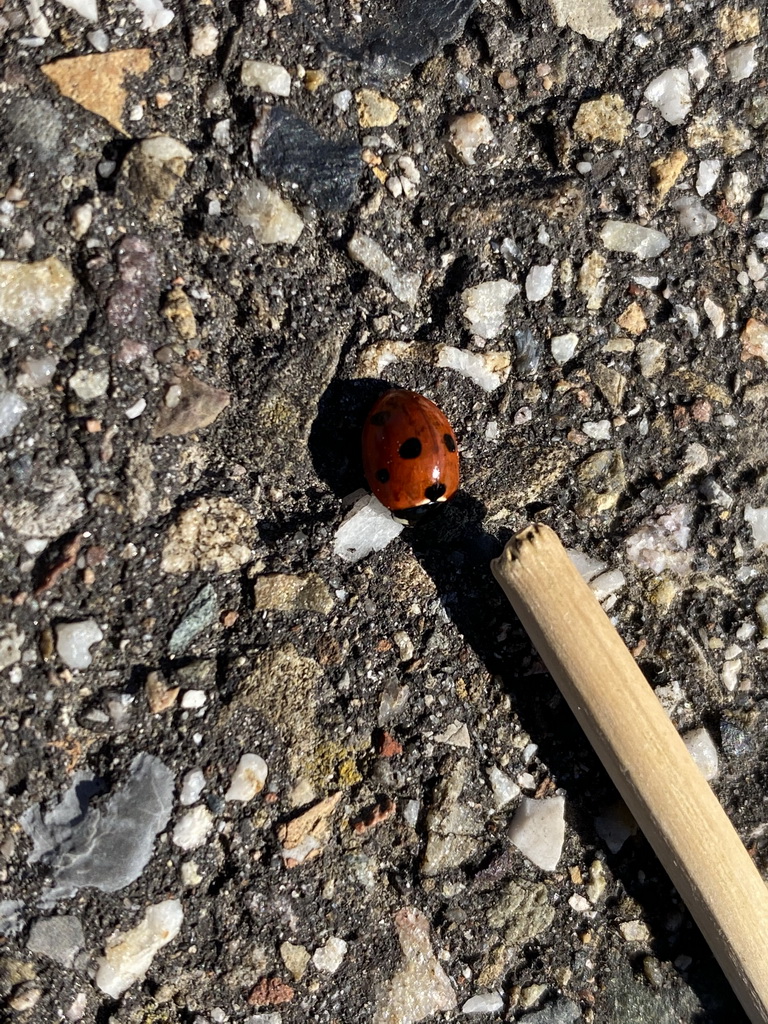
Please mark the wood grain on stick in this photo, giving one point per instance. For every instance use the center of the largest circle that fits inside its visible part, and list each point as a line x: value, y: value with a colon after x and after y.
x: 644, y: 755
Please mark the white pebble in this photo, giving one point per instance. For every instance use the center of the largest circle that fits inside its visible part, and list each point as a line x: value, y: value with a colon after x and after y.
x: 341, y: 100
x: 716, y: 316
x: 702, y: 749
x: 155, y: 15
x: 698, y: 68
x: 368, y: 527
x: 709, y: 171
x: 80, y: 219
x: 190, y: 874
x: 403, y: 284
x: 192, y: 786
x: 741, y: 61
x: 608, y: 583
x: 564, y: 347
x: 272, y: 219
x: 488, y: 370
x: 193, y: 699
x: 730, y: 674
x: 248, y: 778
x: 598, y: 430
x: 205, y: 39
x: 485, y: 306
x: 74, y: 640
x: 99, y: 40
x: 36, y: 373
x: 587, y: 566
x: 192, y: 829
x: 128, y: 955
x: 328, y: 958
x: 538, y: 830
x: 270, y: 78
x: 758, y: 521
x: 12, y: 408
x: 85, y: 8
x: 488, y: 1002
x: 468, y: 132
x: 136, y: 409
x: 504, y: 789
x: 538, y: 283
x: 738, y: 190
x: 634, y: 931
x: 580, y: 904
x: 89, y: 385
x: 455, y: 735
x: 670, y: 94
x: 643, y: 242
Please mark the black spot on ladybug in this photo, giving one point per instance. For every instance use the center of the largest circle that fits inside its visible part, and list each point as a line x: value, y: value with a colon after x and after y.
x: 410, y: 449
x: 382, y: 475
x: 379, y: 418
x: 449, y: 443
x: 434, y: 492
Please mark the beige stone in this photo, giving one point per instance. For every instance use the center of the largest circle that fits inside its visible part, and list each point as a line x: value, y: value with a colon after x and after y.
x: 211, y: 535
x: 178, y: 310
x: 737, y: 26
x: 190, y: 404
x: 375, y: 110
x: 754, y: 341
x: 633, y: 320
x: 666, y: 170
x: 286, y: 593
x: 96, y: 81
x: 604, y: 118
x: 31, y: 292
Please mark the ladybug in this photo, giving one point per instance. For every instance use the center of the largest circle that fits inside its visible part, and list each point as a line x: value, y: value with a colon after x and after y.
x: 410, y: 456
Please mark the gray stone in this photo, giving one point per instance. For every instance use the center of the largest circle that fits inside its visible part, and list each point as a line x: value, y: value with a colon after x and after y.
x: 102, y: 848
x: 58, y: 938
x: 200, y: 615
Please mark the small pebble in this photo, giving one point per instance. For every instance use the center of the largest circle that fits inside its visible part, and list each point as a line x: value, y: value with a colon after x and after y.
x: 193, y: 828
x: 709, y: 171
x: 12, y: 409
x: 670, y: 94
x: 741, y: 61
x: 504, y: 788
x: 205, y: 40
x: 563, y: 347
x: 640, y: 241
x: 702, y: 749
x: 192, y: 786
x: 248, y: 778
x: 488, y: 1002
x: 538, y: 283
x: 368, y: 527
x: 74, y: 641
x: 538, y: 830
x: 467, y: 133
x: 488, y: 370
x: 693, y: 217
x: 485, y: 306
x: 194, y: 699
x: 269, y: 78
x: 328, y: 958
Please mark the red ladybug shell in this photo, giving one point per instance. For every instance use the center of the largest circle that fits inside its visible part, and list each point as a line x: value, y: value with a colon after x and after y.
x: 410, y: 455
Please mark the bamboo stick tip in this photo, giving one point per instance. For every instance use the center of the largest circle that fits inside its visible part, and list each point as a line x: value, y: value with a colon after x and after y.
x: 531, y: 537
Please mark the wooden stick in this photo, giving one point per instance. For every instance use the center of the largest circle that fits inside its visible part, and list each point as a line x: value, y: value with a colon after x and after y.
x: 644, y: 755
